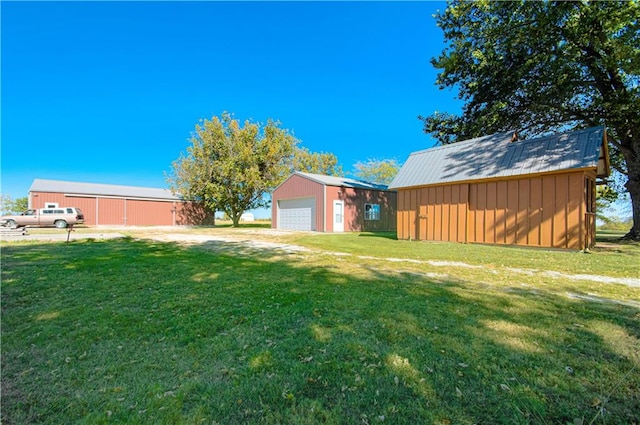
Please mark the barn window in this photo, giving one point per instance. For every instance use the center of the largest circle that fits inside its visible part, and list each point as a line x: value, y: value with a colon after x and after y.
x: 372, y: 211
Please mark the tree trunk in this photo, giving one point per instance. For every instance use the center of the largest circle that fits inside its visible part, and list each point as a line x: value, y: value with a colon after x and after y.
x: 235, y: 219
x: 633, y: 186
x: 631, y: 153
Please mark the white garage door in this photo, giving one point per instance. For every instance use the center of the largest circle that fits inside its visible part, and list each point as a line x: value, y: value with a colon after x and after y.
x: 297, y: 214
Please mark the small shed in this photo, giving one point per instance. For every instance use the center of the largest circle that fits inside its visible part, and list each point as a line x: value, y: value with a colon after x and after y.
x: 107, y: 204
x: 498, y: 190
x: 332, y: 204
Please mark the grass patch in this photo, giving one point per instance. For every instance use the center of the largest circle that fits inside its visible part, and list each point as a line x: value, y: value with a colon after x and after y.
x: 621, y: 260
x: 136, y: 331
x: 612, y: 236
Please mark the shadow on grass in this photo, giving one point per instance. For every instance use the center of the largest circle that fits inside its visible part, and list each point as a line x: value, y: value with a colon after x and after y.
x: 132, y: 331
x: 613, y: 236
x: 248, y: 225
x: 385, y: 235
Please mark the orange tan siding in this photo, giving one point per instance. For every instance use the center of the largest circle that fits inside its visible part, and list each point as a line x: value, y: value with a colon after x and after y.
x: 434, y: 213
x: 543, y: 211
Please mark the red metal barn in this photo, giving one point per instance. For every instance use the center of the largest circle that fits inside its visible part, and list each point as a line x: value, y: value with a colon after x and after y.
x: 105, y: 204
x: 499, y: 190
x: 332, y: 204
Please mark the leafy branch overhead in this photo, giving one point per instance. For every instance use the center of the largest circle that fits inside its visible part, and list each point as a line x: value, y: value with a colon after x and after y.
x: 541, y: 67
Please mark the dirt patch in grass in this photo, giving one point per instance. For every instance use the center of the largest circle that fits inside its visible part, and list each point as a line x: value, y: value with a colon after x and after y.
x: 229, y: 243
x: 246, y: 240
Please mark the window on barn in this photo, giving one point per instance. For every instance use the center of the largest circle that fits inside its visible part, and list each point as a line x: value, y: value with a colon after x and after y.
x: 372, y: 211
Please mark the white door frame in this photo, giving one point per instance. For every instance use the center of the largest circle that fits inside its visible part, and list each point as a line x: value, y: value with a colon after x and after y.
x: 338, y: 216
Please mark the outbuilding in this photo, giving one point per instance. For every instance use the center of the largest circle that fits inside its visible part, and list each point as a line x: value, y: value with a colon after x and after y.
x: 323, y: 203
x: 499, y: 190
x: 107, y: 204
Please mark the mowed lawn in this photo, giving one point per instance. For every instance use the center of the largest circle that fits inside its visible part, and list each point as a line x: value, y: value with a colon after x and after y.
x: 360, y: 329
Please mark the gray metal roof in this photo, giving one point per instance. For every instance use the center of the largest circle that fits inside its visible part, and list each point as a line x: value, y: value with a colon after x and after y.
x: 340, y: 181
x: 497, y: 156
x: 41, y: 185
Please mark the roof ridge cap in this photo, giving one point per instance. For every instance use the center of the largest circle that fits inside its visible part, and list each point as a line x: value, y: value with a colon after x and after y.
x: 464, y: 142
x: 99, y: 184
x: 555, y: 135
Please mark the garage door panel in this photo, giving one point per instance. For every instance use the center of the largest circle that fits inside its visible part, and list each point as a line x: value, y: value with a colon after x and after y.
x: 297, y: 214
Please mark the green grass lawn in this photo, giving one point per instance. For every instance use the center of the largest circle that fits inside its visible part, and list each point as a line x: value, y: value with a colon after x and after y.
x: 137, y: 331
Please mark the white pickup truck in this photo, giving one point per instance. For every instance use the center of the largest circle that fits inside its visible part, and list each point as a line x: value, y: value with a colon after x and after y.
x: 60, y: 217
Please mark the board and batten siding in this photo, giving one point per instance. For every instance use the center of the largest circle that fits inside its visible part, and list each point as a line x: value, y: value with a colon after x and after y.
x: 542, y: 211
x: 299, y: 187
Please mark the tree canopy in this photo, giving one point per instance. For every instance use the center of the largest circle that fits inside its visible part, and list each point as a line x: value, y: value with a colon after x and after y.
x: 230, y: 166
x: 8, y: 205
x: 380, y: 171
x: 316, y: 162
x: 540, y: 67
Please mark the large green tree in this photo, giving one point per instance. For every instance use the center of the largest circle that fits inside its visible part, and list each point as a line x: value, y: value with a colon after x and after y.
x: 316, y: 162
x: 380, y: 171
x: 539, y: 67
x: 230, y: 166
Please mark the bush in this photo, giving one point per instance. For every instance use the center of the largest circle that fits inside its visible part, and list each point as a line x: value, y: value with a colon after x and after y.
x: 616, y: 223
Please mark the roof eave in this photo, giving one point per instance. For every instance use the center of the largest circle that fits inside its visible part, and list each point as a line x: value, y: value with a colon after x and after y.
x: 606, y: 161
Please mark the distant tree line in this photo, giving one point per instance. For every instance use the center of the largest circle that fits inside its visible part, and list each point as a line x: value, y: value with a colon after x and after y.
x: 8, y: 205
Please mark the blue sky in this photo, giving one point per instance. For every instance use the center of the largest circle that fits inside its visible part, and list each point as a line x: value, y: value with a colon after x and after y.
x: 109, y: 92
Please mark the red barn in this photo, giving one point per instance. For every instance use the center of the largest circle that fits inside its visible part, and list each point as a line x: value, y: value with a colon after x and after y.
x: 332, y: 204
x: 106, y: 204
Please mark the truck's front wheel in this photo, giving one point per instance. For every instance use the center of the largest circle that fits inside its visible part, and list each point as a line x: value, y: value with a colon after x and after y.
x: 11, y: 224
x: 60, y: 224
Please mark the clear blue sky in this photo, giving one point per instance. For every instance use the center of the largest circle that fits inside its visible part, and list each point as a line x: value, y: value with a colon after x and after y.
x: 109, y: 92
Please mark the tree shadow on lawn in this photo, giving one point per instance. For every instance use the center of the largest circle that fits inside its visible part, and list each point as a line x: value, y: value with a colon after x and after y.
x: 133, y: 331
x: 385, y: 235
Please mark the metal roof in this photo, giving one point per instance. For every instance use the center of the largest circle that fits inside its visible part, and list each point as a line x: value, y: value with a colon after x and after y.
x: 41, y: 185
x: 341, y: 181
x: 497, y: 156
